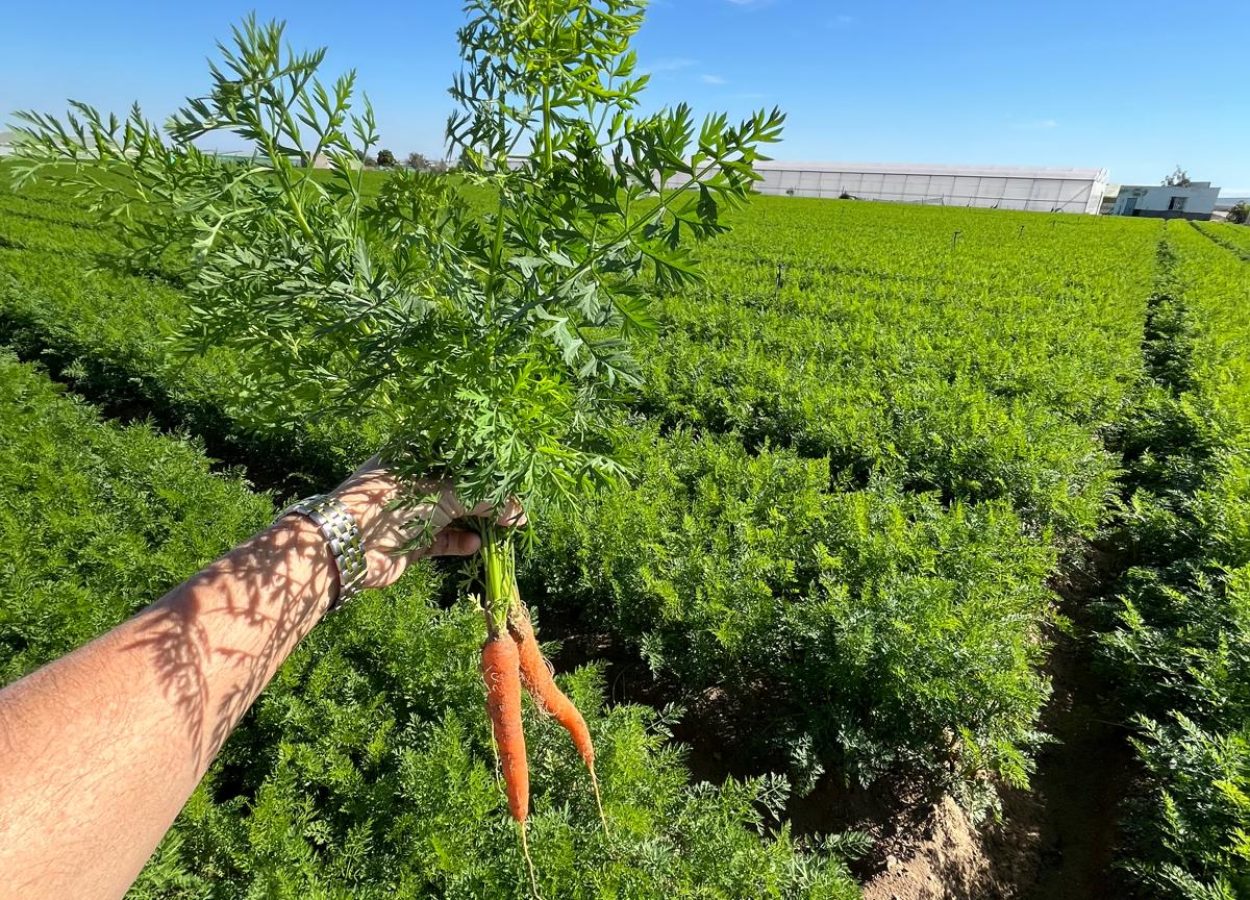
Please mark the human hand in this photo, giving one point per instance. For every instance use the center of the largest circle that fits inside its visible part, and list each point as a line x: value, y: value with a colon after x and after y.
x: 368, y: 493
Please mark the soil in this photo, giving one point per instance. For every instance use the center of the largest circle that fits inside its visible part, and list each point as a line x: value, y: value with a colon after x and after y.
x: 950, y: 857
x: 1053, y: 842
x: 927, y: 846
x: 1083, y: 777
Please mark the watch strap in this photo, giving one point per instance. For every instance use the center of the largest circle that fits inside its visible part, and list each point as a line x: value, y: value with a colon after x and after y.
x: 341, y: 532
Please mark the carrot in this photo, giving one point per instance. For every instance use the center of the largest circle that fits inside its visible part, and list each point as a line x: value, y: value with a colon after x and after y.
x: 503, y: 703
x: 542, y: 687
x: 500, y: 670
x: 537, y: 678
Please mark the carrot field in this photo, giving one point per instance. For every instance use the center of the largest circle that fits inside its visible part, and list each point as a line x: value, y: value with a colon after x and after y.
x: 873, y: 451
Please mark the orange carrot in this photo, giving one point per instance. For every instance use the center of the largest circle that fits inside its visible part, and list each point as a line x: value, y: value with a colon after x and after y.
x: 537, y: 678
x: 542, y: 687
x: 503, y: 703
x: 501, y: 673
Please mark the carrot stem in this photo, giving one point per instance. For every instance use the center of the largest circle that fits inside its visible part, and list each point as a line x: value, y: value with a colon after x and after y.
x: 499, y: 561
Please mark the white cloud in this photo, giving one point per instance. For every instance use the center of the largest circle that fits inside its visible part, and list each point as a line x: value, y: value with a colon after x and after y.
x: 669, y: 64
x: 712, y: 79
x: 841, y: 21
x: 1035, y: 125
x: 751, y: 3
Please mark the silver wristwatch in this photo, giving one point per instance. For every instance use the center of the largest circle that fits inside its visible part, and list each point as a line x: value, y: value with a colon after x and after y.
x: 342, y: 535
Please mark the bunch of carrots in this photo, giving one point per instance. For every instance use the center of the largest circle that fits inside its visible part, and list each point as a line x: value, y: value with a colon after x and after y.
x: 512, y: 659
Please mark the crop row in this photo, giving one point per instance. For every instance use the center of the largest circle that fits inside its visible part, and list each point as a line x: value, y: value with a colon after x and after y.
x: 1181, y: 642
x: 860, y: 476
x: 987, y: 379
x: 1235, y: 238
x: 364, y: 769
x: 856, y: 478
x: 64, y: 300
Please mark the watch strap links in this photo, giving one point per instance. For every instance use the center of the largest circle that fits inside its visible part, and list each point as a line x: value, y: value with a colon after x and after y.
x: 342, y: 535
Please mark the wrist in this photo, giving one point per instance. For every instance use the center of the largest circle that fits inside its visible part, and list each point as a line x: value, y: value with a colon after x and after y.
x: 310, y: 547
x: 342, y: 540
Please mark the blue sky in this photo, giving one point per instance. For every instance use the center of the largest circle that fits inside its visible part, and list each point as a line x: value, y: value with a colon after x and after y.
x: 1136, y: 86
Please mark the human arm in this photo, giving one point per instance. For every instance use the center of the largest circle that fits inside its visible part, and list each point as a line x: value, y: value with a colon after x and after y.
x: 100, y: 749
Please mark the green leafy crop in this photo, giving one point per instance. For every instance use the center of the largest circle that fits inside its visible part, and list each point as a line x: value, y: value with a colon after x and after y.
x: 492, y: 348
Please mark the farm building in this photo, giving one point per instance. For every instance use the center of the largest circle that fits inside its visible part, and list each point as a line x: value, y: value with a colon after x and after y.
x: 1000, y: 187
x: 6, y: 142
x: 1163, y: 201
x: 1224, y: 205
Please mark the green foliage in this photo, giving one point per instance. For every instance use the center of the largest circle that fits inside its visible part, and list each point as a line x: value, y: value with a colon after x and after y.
x: 491, y: 349
x: 1233, y: 239
x: 872, y: 625
x: 370, y: 775
x: 97, y: 522
x: 1181, y: 645
x: 108, y: 334
x: 386, y: 159
x: 363, y: 770
x: 1195, y: 819
x: 953, y: 403
x: 418, y: 162
x: 1178, y: 178
x: 856, y: 332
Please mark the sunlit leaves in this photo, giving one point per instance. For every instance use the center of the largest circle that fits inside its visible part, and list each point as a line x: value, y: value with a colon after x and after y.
x: 497, y: 346
x: 1180, y: 644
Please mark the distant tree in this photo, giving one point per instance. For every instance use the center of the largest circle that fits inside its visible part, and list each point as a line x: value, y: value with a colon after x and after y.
x: 386, y: 158
x: 1240, y: 214
x: 419, y: 162
x: 1179, y: 178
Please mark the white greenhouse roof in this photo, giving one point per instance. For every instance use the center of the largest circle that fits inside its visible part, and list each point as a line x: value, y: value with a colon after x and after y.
x: 1034, y: 172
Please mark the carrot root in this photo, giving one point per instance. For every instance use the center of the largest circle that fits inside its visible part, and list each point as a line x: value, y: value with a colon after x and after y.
x: 594, y: 784
x: 529, y: 862
x: 536, y: 676
x: 503, y: 703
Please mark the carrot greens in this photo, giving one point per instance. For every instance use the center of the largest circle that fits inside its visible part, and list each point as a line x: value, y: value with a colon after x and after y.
x: 490, y: 349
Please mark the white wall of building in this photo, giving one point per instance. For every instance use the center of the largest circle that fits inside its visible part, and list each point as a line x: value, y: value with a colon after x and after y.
x: 1000, y: 187
x: 1195, y: 201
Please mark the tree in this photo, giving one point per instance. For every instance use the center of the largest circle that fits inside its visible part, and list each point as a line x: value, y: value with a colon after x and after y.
x: 1240, y: 214
x: 386, y: 158
x: 418, y: 163
x: 1179, y: 178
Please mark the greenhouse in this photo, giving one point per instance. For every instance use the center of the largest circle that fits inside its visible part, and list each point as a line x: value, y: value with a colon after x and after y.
x: 996, y: 187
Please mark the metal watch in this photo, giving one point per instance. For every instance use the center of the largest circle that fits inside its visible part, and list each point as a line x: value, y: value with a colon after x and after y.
x: 342, y: 535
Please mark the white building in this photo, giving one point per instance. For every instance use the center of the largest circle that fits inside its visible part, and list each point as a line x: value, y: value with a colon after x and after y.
x: 999, y: 187
x: 1161, y: 201
x: 7, y: 139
